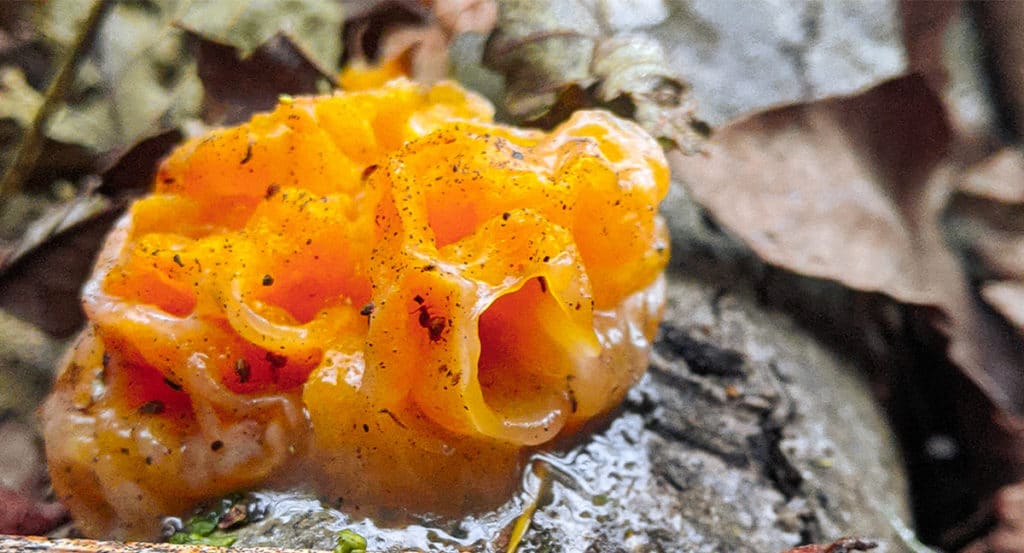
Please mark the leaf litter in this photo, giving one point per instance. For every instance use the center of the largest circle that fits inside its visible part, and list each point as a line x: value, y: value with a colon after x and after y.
x: 826, y: 163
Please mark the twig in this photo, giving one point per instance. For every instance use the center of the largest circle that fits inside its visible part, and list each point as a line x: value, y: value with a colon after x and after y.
x: 31, y: 142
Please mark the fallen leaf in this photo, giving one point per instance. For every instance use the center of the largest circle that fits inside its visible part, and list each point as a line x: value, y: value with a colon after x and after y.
x: 368, y: 21
x: 236, y: 87
x: 137, y: 78
x: 20, y: 43
x: 999, y: 178
x: 466, y: 16
x: 23, y: 515
x: 429, y: 41
x: 129, y: 171
x: 18, y: 105
x: 21, y: 461
x: 406, y: 31
x: 312, y: 26
x: 427, y: 48
x: 126, y: 77
x: 43, y: 286
x: 924, y: 25
x: 1007, y: 297
x: 563, y: 56
x: 829, y: 189
x: 944, y: 44
x: 55, y: 220
x: 18, y: 100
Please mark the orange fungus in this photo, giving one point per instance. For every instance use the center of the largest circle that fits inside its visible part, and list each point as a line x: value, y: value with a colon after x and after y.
x: 380, y: 294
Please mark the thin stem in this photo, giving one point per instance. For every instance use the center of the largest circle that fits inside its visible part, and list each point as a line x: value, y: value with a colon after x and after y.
x: 31, y: 142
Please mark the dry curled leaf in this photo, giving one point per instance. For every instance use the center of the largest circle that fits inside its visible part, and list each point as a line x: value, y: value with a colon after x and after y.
x: 829, y: 189
x: 562, y: 56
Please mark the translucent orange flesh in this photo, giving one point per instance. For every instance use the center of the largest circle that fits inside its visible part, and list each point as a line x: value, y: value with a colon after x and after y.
x: 380, y: 294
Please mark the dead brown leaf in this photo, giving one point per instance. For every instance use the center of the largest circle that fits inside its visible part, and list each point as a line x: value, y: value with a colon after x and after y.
x: 426, y: 47
x: 831, y: 189
x: 924, y: 25
x: 943, y: 43
x: 236, y: 88
x: 312, y: 27
x: 130, y: 170
x: 43, y: 287
x: 55, y: 220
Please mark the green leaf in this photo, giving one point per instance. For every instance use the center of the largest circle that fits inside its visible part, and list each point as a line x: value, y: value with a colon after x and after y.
x: 219, y: 539
x: 201, y: 526
x: 350, y: 542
